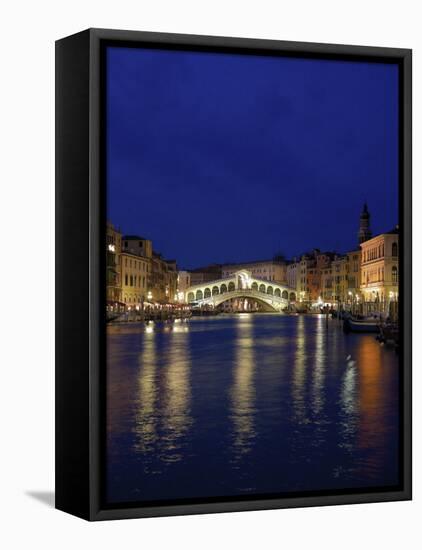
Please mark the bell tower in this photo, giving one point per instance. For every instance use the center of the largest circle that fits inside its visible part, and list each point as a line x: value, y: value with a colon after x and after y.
x: 365, y: 232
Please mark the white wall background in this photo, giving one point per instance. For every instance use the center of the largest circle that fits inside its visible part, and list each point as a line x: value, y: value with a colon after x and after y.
x: 27, y: 36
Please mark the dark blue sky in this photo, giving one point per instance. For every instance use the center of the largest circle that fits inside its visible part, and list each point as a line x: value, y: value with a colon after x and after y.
x: 219, y: 157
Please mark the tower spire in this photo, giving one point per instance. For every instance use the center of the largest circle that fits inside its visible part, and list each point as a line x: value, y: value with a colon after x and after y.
x: 365, y: 232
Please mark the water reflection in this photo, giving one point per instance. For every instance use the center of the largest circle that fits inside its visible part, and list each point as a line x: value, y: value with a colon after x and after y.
x: 248, y: 403
x: 299, y: 374
x: 176, y: 395
x: 243, y: 390
x: 317, y: 400
x: 163, y: 413
x: 146, y: 417
x: 372, y: 405
x: 348, y: 404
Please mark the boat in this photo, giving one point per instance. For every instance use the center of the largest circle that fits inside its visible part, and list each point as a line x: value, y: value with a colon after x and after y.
x: 361, y: 325
x: 389, y: 333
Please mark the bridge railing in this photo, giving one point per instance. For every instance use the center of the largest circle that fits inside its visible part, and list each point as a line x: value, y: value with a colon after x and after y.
x: 242, y: 292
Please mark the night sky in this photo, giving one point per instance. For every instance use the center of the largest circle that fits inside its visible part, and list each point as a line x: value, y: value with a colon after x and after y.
x: 221, y: 158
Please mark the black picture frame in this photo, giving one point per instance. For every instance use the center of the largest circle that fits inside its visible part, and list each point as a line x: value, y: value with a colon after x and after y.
x: 80, y: 284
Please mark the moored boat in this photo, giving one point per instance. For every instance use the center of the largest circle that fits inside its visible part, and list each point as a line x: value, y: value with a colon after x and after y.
x: 364, y: 325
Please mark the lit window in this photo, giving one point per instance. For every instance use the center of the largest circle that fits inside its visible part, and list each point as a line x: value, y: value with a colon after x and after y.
x: 394, y: 274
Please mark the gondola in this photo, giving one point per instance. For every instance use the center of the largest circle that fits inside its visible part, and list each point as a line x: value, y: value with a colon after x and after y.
x: 364, y: 325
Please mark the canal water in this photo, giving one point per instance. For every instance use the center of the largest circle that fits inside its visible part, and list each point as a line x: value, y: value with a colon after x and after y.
x: 248, y: 404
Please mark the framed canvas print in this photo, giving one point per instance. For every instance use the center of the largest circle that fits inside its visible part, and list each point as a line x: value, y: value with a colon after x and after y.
x: 233, y: 274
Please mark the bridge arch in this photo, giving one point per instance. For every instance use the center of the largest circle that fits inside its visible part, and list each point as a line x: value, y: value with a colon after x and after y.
x: 242, y: 285
x: 218, y: 300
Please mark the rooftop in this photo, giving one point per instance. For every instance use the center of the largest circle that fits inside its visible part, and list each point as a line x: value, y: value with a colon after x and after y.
x: 134, y: 238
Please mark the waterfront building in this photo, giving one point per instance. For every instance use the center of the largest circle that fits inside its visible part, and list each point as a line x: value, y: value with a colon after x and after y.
x: 163, y: 280
x: 311, y: 266
x: 322, y: 260
x: 307, y: 262
x: 146, y: 275
x: 201, y: 275
x: 327, y: 290
x: 133, y: 244
x: 339, y: 268
x: 292, y: 271
x: 113, y: 275
x: 135, y: 271
x: 345, y: 272
x: 183, y: 283
x: 353, y: 277
x: 380, y: 268
x: 270, y: 270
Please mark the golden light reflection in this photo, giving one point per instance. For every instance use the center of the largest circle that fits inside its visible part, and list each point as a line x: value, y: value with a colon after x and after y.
x: 317, y: 392
x: 146, y: 417
x: 243, y: 390
x: 372, y: 426
x: 299, y: 373
x: 163, y: 415
x: 176, y: 395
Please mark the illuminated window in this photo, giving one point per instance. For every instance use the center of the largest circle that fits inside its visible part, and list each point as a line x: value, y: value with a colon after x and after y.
x: 394, y: 274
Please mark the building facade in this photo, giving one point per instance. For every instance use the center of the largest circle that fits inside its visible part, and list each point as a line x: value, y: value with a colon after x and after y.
x: 204, y: 274
x: 270, y: 270
x: 340, y: 282
x: 380, y: 268
x: 163, y: 281
x: 183, y: 283
x: 135, y: 274
x: 137, y: 246
x: 292, y: 271
x: 113, y: 273
x: 327, y: 287
x: 354, y: 275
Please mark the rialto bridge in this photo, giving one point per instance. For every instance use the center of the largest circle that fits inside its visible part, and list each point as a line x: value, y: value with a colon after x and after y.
x: 242, y: 286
